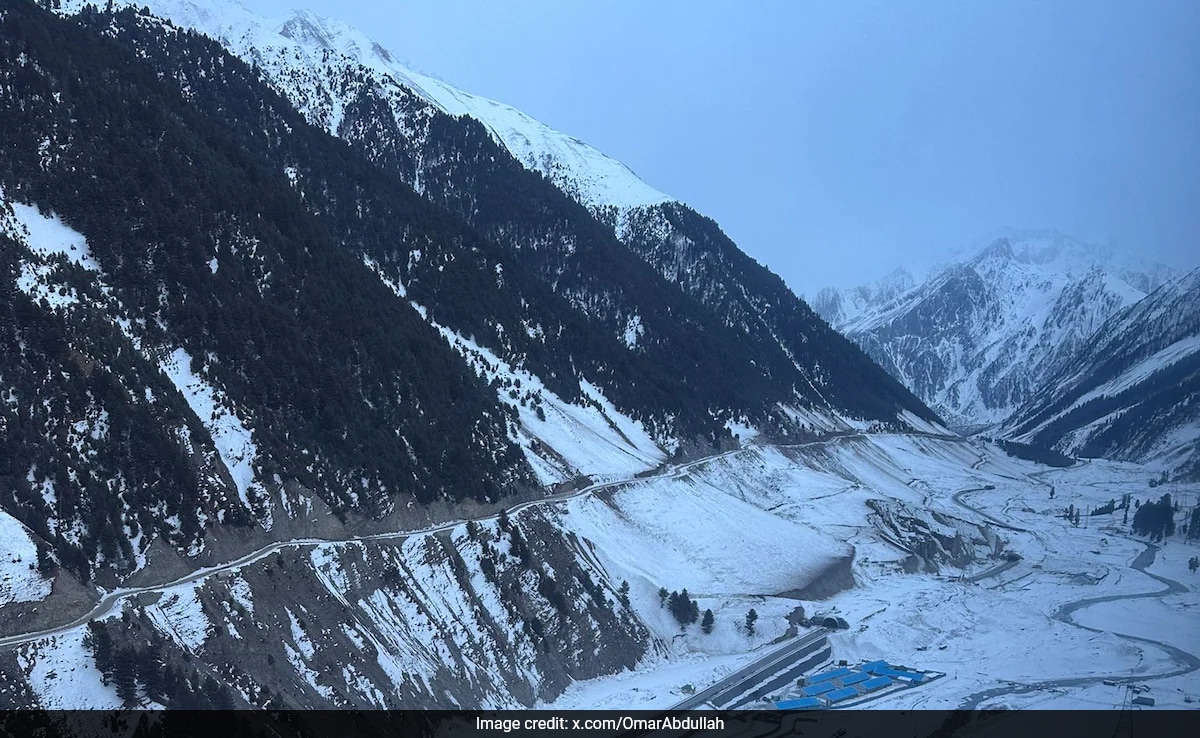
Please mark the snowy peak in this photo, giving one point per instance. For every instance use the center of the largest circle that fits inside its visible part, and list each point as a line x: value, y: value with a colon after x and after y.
x: 980, y: 337
x: 842, y: 307
x: 307, y: 40
x: 595, y: 180
x: 1000, y: 250
x: 1049, y: 252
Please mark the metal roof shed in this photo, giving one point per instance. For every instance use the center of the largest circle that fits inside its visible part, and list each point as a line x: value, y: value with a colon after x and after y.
x: 855, y: 678
x: 803, y: 703
x: 828, y: 675
x: 838, y: 695
x: 900, y: 674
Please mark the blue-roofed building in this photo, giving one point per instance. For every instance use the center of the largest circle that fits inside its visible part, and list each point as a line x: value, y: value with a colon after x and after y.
x: 828, y: 675
x: 803, y: 703
x: 815, y: 689
x: 878, y: 682
x: 838, y: 695
x: 900, y: 674
x: 855, y: 678
x: 872, y: 667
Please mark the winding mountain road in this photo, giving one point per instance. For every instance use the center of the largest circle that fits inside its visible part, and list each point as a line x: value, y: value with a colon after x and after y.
x: 1187, y: 662
x: 110, y: 600
x: 957, y: 499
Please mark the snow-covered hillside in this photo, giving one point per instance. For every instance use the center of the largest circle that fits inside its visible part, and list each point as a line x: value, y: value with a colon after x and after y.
x: 295, y: 52
x: 983, y: 335
x: 351, y: 87
x: 280, y: 411
x: 1133, y: 391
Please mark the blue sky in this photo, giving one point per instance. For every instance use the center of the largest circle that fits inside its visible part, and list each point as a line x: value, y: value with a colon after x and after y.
x: 837, y: 141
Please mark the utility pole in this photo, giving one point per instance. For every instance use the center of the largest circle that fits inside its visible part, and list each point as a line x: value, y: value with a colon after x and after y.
x: 1125, y: 719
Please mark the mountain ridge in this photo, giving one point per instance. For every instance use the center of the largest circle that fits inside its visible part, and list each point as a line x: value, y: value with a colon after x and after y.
x: 1131, y: 392
x: 389, y: 122
x: 981, y: 335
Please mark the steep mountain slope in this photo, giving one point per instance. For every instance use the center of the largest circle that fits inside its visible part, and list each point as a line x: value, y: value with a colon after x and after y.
x: 985, y: 335
x: 345, y: 83
x: 247, y: 364
x: 1132, y: 392
x: 691, y: 251
x: 312, y: 60
x: 206, y: 330
x: 194, y: 366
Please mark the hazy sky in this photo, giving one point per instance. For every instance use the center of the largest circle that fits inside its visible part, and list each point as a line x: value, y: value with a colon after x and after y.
x: 835, y: 141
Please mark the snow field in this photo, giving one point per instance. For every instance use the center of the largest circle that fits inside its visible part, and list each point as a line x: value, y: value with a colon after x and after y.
x: 691, y: 533
x: 1001, y: 629
x: 598, y: 442
x: 982, y: 635
x: 19, y: 578
x: 63, y: 674
x: 233, y: 440
x: 179, y: 616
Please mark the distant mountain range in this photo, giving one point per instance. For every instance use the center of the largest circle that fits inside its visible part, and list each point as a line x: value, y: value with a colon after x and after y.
x: 324, y: 384
x: 1007, y: 338
x: 1132, y: 390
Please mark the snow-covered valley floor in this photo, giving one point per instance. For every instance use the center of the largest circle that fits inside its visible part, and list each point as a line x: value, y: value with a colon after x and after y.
x: 751, y: 528
x: 1012, y: 639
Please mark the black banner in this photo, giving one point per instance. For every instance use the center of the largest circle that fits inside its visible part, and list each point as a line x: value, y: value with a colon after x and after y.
x: 601, y: 724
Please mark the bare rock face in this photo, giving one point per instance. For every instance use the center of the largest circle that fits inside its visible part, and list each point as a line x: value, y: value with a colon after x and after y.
x: 933, y: 540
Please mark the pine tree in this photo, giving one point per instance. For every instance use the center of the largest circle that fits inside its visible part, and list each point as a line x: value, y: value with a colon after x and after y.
x: 662, y: 596
x: 751, y: 618
x: 683, y: 607
x: 623, y: 594
x: 45, y: 562
x: 706, y: 624
x: 100, y: 642
x: 125, y: 675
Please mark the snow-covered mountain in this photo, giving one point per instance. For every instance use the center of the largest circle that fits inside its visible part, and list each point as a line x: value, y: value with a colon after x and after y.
x: 844, y: 307
x: 307, y: 57
x: 345, y: 83
x: 986, y: 334
x: 389, y: 419
x: 1131, y: 391
x: 227, y: 335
